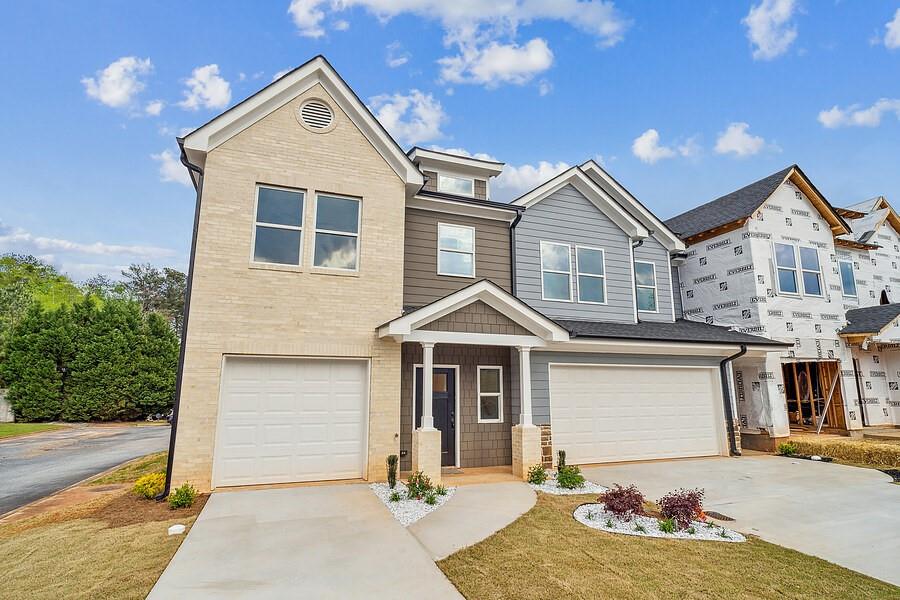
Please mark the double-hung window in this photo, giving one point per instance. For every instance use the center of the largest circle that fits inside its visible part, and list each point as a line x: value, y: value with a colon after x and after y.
x: 645, y: 282
x: 451, y: 184
x: 278, y: 228
x: 556, y: 271
x: 786, y: 267
x: 848, y: 278
x: 456, y: 250
x: 337, y: 232
x: 490, y: 394
x: 590, y: 269
x: 812, y: 272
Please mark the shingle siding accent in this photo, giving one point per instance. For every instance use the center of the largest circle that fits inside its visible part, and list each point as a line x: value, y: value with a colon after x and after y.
x: 430, y: 181
x: 477, y: 317
x: 480, y: 189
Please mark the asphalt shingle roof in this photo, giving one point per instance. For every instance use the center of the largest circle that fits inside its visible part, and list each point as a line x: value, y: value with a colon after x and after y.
x: 681, y: 330
x: 871, y: 319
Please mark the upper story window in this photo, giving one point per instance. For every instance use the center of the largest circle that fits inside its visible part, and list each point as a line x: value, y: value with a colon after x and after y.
x: 590, y: 270
x: 645, y: 282
x: 556, y: 271
x: 786, y: 265
x: 337, y: 232
x: 848, y: 280
x: 812, y: 272
x: 490, y: 394
x: 278, y: 229
x: 452, y: 184
x: 456, y: 250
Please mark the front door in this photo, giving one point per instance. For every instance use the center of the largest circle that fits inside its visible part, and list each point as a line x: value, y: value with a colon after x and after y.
x: 443, y: 409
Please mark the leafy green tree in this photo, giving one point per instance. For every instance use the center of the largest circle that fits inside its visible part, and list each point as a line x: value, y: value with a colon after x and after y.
x: 156, y: 364
x: 157, y: 290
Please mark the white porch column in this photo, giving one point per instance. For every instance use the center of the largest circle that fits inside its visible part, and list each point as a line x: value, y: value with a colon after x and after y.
x: 525, y: 384
x: 427, y: 382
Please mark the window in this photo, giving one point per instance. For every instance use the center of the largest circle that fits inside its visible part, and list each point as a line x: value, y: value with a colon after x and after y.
x: 645, y: 281
x: 590, y: 269
x: 848, y: 280
x: 490, y: 394
x: 786, y: 265
x: 278, y: 227
x: 556, y: 272
x: 812, y: 273
x: 451, y: 184
x: 337, y: 232
x: 456, y: 250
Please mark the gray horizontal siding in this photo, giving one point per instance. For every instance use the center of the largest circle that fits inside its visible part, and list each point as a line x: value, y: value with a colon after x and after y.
x: 676, y: 288
x: 651, y: 250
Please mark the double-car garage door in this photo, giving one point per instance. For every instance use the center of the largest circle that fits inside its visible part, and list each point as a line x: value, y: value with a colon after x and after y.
x: 609, y: 413
x: 291, y: 419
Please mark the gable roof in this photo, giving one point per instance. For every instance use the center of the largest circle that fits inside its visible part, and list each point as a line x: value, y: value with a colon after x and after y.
x: 739, y: 205
x: 596, y: 195
x: 657, y: 228
x: 870, y: 320
x: 239, y: 117
x: 869, y: 216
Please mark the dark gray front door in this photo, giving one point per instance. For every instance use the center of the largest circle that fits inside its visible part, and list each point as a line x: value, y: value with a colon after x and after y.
x: 443, y: 409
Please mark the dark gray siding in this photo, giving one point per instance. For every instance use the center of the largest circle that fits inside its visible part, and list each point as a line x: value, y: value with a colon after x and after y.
x: 652, y: 251
x: 422, y: 284
x: 568, y: 217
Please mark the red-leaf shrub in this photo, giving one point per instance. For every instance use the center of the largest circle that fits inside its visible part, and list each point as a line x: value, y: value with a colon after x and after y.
x: 682, y: 506
x: 624, y: 502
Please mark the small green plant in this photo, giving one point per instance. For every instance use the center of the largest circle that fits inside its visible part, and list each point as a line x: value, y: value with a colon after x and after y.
x: 609, y: 523
x: 417, y: 485
x: 561, y: 460
x: 569, y: 477
x: 392, y: 461
x: 591, y: 515
x: 537, y: 474
x: 395, y: 497
x: 667, y: 525
x: 183, y: 497
x: 691, y: 530
x: 724, y: 534
x: 787, y: 449
x: 710, y: 525
x: 440, y: 490
x: 430, y: 498
x: 150, y: 486
x: 640, y: 528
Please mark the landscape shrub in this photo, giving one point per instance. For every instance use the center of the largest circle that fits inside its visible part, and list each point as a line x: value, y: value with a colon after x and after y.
x: 183, y: 497
x: 150, y: 486
x: 537, y: 474
x: 624, y: 502
x: 884, y: 455
x: 787, y: 449
x: 666, y: 525
x: 417, y: 485
x: 682, y: 506
x: 569, y: 477
x: 392, y: 470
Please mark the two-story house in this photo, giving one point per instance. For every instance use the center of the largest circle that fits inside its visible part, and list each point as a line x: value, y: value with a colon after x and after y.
x: 348, y: 300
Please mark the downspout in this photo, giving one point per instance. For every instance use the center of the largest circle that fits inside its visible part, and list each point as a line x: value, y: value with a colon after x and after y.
x: 726, y: 398
x: 635, y: 244
x: 512, y: 251
x: 198, y: 186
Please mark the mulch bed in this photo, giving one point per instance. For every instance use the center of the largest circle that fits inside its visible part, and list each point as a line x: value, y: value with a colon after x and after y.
x: 128, y: 509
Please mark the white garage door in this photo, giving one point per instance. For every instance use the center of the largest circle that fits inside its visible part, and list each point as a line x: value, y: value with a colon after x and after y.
x: 618, y: 413
x: 287, y: 420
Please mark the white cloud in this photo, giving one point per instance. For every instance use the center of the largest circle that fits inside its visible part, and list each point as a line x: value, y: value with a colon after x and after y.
x: 769, y: 28
x: 341, y: 25
x: 396, y: 56
x: 307, y: 17
x: 19, y: 240
x: 206, y: 88
x: 738, y: 141
x: 856, y: 116
x: 497, y: 63
x: 516, y: 180
x: 410, y: 118
x: 154, y: 107
x: 281, y: 73
x: 464, y: 152
x: 171, y: 169
x: 544, y: 87
x: 119, y: 83
x: 892, y: 35
x: 648, y: 149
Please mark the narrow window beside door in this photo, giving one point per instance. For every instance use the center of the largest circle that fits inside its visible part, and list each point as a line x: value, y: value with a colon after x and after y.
x: 490, y: 394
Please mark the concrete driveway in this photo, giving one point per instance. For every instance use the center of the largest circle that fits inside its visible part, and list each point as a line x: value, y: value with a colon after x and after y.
x: 334, y: 541
x: 846, y: 515
x: 38, y: 465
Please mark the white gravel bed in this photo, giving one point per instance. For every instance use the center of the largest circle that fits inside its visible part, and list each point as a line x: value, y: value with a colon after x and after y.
x: 702, y: 531
x: 550, y: 487
x: 407, y: 511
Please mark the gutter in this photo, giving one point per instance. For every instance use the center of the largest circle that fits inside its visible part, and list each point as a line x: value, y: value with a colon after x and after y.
x: 184, y: 322
x: 512, y: 251
x: 636, y: 244
x: 726, y: 398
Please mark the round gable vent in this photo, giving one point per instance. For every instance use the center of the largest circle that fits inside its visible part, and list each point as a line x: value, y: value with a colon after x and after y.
x: 316, y: 115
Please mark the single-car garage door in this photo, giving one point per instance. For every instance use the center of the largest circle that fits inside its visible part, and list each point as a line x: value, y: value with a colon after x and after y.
x: 608, y: 413
x: 286, y: 420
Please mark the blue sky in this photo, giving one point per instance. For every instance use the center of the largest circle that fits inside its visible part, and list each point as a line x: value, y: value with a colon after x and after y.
x: 682, y: 101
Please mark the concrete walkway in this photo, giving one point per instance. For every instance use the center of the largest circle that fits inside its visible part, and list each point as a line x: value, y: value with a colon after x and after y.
x: 474, y: 513
x: 336, y: 541
x: 847, y: 515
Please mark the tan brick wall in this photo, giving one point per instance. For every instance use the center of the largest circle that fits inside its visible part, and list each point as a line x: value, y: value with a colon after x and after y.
x: 477, y: 317
x: 237, y: 308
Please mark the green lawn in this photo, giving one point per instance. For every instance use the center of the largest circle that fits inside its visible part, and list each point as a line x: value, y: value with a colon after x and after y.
x: 152, y: 463
x: 546, y: 553
x: 8, y: 430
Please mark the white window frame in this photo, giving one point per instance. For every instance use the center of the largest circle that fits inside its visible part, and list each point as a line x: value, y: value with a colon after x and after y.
x: 818, y: 273
x: 543, y: 270
x: 855, y: 293
x: 579, y: 274
x: 317, y: 231
x: 795, y: 269
x: 257, y: 223
x: 654, y: 287
x: 454, y: 176
x: 454, y: 250
x: 498, y: 395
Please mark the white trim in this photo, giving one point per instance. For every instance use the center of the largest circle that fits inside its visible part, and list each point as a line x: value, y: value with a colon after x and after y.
x: 634, y: 302
x: 454, y: 251
x: 479, y: 339
x: 456, y: 370
x: 498, y: 395
x: 543, y: 270
x: 449, y: 175
x: 486, y: 168
x: 257, y: 223
x: 462, y: 207
x: 818, y: 273
x: 654, y: 347
x: 672, y: 286
x: 654, y: 287
x: 796, y: 269
x: 578, y: 274
x: 852, y: 276
x: 317, y: 231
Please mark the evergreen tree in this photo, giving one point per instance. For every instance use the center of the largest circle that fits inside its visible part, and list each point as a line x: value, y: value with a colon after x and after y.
x: 156, y: 364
